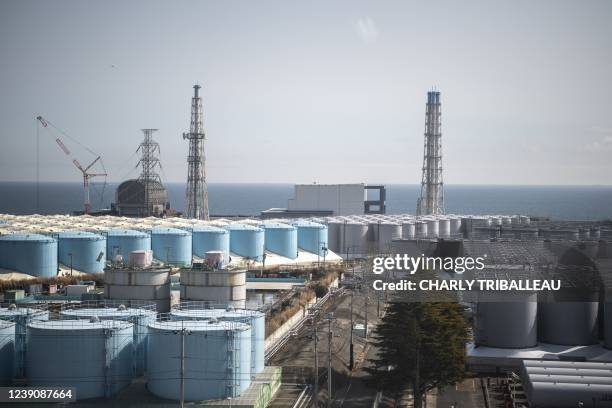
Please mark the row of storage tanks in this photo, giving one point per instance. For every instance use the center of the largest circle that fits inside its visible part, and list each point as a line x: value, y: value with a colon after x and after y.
x: 39, y: 255
x: 523, y: 322
x: 100, y: 350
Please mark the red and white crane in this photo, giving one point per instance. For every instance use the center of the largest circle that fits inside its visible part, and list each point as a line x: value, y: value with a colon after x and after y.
x: 84, y: 170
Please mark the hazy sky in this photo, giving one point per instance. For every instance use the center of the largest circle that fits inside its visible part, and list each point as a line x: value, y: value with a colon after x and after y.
x: 302, y: 91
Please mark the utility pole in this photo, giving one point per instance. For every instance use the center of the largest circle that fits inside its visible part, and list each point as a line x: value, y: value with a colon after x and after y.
x: 316, y: 365
x: 182, y: 367
x: 366, y: 316
x: 351, y: 359
x: 329, y: 359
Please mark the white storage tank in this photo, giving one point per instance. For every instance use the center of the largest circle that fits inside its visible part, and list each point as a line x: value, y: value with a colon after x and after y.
x: 152, y: 284
x: 608, y: 324
x: 455, y: 226
x: 333, y: 235
x: 353, y: 239
x: 225, y: 287
x: 421, y: 229
x: 254, y: 318
x: 140, y: 318
x: 444, y: 228
x: 7, y: 352
x: 433, y: 228
x: 568, y: 323
x: 511, y: 324
x: 21, y: 316
x: 217, y: 359
x: 94, y: 357
x: 382, y: 234
x: 408, y: 230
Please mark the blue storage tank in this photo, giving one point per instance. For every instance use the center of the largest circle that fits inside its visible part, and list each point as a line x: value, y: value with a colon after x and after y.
x: 21, y: 316
x: 171, y: 245
x: 94, y: 357
x: 7, y: 352
x: 33, y: 254
x: 123, y: 241
x: 85, y: 251
x: 254, y: 318
x: 311, y: 236
x: 208, y: 238
x: 140, y: 318
x: 217, y: 359
x: 247, y: 241
x: 281, y: 239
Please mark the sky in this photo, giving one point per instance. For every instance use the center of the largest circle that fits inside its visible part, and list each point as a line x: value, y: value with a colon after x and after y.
x: 305, y: 91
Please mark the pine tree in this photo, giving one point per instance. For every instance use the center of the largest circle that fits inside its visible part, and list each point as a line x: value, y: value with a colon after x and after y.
x: 421, y: 345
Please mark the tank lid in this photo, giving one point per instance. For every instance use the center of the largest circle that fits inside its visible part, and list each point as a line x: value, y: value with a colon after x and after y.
x: 278, y: 225
x: 105, y: 312
x: 209, y: 228
x: 198, y: 326
x: 19, y: 311
x: 169, y: 231
x: 27, y: 237
x: 308, y: 224
x: 84, y: 235
x: 126, y: 232
x: 79, y: 325
x: 245, y: 227
x: 6, y: 323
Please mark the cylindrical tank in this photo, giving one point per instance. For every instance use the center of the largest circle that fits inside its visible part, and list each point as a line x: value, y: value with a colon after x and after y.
x: 525, y: 220
x: 408, y: 230
x: 122, y: 242
x: 455, y: 226
x: 95, y: 357
x: 33, y: 254
x: 171, y: 245
x: 207, y: 238
x: 217, y: 359
x: 382, y: 233
x: 281, y: 239
x: 568, y: 323
x: 608, y: 324
x: 333, y: 235
x: 252, y: 317
x: 247, y: 241
x: 140, y: 318
x: 444, y: 227
x: 433, y: 228
x: 224, y: 287
x: 139, y: 284
x: 595, y: 233
x: 83, y: 251
x: 421, y: 229
x: 311, y: 236
x: 510, y: 324
x: 353, y: 239
x: 21, y: 316
x: 7, y: 352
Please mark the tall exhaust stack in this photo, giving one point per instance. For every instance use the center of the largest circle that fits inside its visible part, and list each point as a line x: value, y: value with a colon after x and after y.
x: 197, y: 191
x: 432, y: 186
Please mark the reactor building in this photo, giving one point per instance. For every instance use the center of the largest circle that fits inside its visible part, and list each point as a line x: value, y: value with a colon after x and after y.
x: 145, y: 196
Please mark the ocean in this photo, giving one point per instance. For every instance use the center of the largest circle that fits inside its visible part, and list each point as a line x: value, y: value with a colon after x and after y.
x: 557, y: 202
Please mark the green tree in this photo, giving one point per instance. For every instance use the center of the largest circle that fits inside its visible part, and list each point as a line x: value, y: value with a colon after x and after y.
x: 421, y: 345
x: 320, y: 290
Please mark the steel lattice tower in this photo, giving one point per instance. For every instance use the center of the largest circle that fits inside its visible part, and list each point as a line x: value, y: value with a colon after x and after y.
x: 149, y: 161
x: 197, y: 192
x: 432, y: 186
